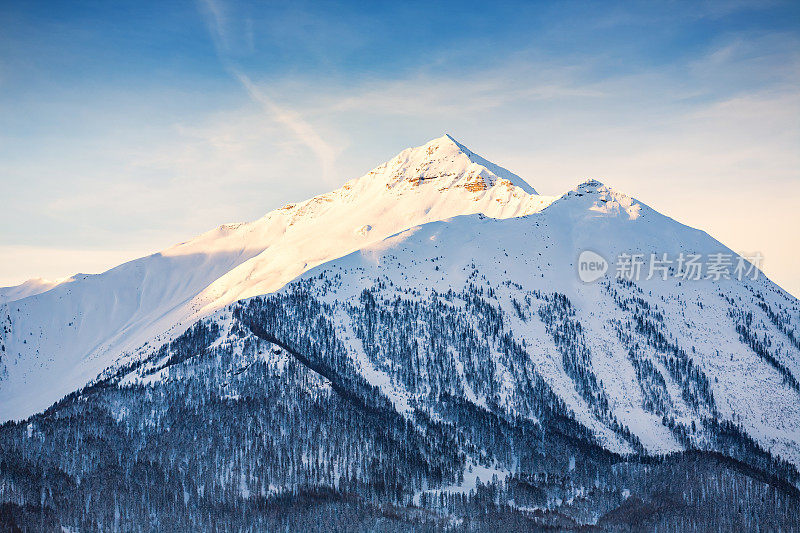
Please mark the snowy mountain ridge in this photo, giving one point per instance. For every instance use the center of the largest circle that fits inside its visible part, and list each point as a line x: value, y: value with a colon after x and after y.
x: 429, y: 183
x: 31, y: 287
x: 420, y: 337
x: 91, y: 321
x: 532, y: 258
x: 460, y: 252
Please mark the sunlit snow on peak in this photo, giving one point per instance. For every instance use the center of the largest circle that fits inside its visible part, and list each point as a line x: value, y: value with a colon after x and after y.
x: 598, y: 199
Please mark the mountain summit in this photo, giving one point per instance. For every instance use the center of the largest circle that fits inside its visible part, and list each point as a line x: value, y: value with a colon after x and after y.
x: 418, y: 340
x: 93, y: 321
x: 447, y: 163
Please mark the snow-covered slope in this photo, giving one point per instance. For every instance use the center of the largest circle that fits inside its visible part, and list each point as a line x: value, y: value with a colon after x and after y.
x: 482, y: 308
x: 30, y: 288
x: 667, y: 355
x: 437, y: 181
x: 420, y: 337
x: 650, y: 365
x: 57, y: 340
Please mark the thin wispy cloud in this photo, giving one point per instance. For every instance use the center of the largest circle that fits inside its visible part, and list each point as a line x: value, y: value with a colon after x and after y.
x: 216, y: 21
x: 294, y: 123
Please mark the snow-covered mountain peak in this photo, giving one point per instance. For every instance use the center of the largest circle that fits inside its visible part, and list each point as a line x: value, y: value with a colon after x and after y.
x: 438, y: 180
x: 30, y: 287
x: 441, y: 170
x: 422, y: 293
x: 601, y: 200
x: 591, y: 184
x: 92, y: 322
x: 445, y: 163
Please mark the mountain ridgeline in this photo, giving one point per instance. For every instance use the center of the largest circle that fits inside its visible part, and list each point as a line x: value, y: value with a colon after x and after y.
x: 431, y: 361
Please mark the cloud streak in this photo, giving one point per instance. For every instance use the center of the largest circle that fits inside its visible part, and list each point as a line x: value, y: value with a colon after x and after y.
x: 294, y: 123
x: 216, y: 22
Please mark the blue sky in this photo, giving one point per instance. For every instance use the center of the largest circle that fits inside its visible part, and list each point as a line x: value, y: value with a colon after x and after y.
x: 128, y: 126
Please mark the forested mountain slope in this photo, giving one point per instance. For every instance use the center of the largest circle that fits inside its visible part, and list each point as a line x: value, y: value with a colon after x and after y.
x: 454, y: 375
